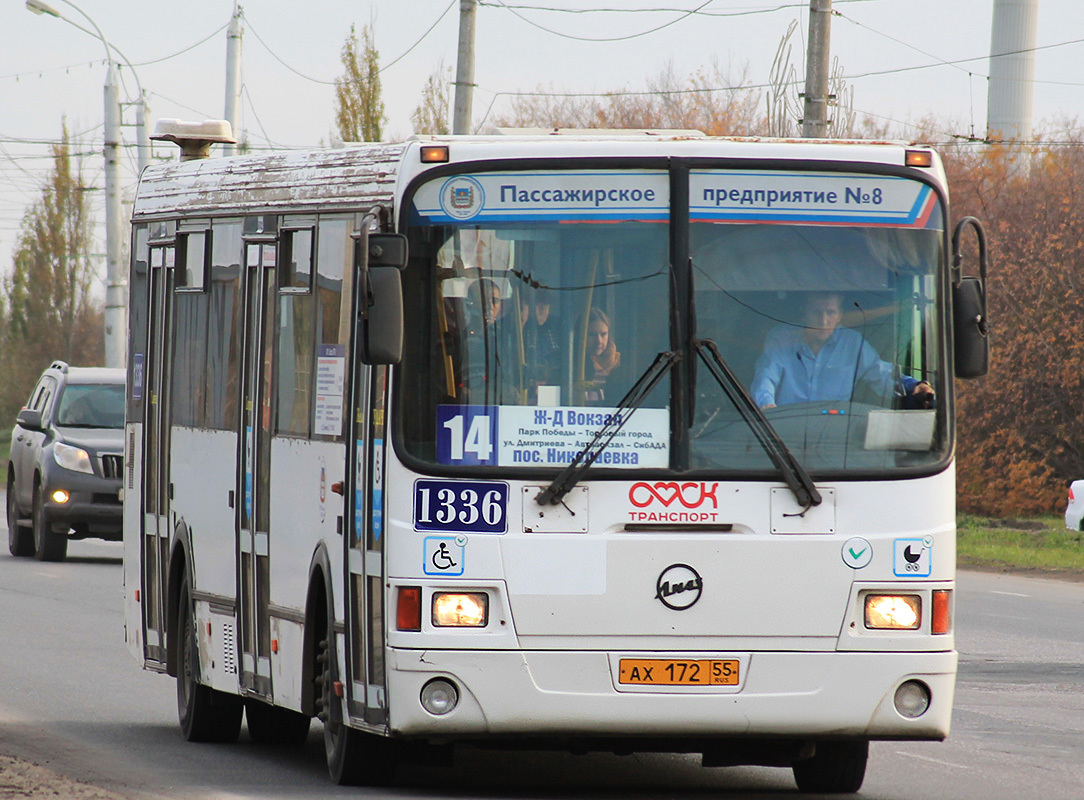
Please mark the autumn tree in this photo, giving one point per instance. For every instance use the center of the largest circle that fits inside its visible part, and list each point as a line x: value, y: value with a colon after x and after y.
x: 433, y: 113
x: 710, y: 101
x: 359, y: 108
x: 46, y: 308
x: 1021, y: 429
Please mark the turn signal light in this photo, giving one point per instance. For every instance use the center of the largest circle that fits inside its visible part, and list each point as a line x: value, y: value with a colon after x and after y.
x: 408, y: 609
x: 941, y: 621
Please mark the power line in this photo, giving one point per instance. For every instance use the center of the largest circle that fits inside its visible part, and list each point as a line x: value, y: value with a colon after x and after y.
x: 191, y: 47
x: 322, y: 82
x: 684, y: 15
x: 430, y: 30
x: 697, y: 11
x: 899, y: 41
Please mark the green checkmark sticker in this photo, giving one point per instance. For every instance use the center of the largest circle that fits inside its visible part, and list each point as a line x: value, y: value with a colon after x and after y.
x: 856, y: 552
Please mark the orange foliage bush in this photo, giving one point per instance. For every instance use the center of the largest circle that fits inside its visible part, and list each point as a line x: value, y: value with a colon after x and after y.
x: 1020, y: 430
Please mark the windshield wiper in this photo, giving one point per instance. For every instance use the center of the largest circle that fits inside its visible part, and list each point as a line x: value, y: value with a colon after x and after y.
x: 793, y: 472
x: 570, y: 475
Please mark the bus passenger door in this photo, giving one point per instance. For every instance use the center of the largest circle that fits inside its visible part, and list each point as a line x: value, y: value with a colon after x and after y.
x: 254, y: 470
x: 156, y: 533
x: 365, y: 550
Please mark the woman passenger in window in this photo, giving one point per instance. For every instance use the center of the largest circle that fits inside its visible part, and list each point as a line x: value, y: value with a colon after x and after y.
x: 602, y: 356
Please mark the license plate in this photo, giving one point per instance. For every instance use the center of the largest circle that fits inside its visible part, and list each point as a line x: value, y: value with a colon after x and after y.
x: 678, y: 672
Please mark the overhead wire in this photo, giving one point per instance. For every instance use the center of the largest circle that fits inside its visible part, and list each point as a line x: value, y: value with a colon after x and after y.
x: 683, y: 16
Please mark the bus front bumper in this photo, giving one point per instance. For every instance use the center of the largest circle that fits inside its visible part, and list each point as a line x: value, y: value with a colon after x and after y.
x: 575, y: 694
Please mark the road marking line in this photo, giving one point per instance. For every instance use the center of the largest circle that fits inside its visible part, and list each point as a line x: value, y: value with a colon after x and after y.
x: 1010, y: 594
x: 932, y: 760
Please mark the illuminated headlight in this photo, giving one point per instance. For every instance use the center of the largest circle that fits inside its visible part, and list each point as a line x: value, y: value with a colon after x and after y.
x: 460, y: 609
x: 74, y: 458
x: 901, y: 612
x: 60, y: 496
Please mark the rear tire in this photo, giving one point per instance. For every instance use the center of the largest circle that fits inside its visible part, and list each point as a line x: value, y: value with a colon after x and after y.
x: 48, y: 544
x: 835, y: 768
x: 205, y: 714
x: 268, y: 724
x: 20, y: 540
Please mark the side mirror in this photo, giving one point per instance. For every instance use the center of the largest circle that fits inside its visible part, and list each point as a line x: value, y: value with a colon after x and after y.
x: 387, y: 250
x: 382, y: 324
x: 31, y: 420
x: 969, y: 327
x: 970, y: 324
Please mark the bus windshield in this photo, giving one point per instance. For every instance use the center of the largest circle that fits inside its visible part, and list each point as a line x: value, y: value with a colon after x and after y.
x: 534, y: 320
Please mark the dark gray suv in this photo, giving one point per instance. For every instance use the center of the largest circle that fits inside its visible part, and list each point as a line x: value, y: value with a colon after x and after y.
x: 67, y: 453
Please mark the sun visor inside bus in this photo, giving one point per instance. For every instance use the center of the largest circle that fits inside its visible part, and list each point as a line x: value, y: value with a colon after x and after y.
x: 805, y: 258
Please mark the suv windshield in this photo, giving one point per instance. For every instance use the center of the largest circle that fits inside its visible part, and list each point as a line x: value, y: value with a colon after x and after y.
x: 91, y: 405
x: 541, y: 302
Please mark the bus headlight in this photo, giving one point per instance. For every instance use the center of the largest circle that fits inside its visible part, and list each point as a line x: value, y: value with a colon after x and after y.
x: 74, y: 458
x: 460, y: 609
x: 439, y: 696
x: 901, y: 612
x: 912, y: 699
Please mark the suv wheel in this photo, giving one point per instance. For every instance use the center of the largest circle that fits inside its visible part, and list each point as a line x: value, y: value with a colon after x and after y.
x: 48, y: 545
x: 20, y: 540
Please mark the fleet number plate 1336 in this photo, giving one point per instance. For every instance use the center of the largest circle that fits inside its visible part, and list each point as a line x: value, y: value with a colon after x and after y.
x: 678, y: 672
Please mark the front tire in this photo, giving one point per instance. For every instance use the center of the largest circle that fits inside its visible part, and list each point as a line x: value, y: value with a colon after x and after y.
x: 835, y: 768
x: 354, y: 758
x: 205, y: 714
x: 48, y: 544
x: 20, y: 540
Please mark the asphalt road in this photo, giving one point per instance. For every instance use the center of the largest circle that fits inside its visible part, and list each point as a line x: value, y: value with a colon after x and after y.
x: 72, y: 699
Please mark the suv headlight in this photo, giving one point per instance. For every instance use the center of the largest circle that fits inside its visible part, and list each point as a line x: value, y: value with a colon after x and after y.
x: 74, y: 458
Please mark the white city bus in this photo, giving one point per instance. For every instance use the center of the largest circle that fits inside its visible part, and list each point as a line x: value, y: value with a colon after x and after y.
x: 461, y: 440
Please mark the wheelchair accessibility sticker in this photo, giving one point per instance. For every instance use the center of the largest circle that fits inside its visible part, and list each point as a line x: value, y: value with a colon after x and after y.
x: 444, y: 556
x: 912, y: 558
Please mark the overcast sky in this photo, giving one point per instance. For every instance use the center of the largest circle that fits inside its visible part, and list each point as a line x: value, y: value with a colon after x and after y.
x: 895, y: 53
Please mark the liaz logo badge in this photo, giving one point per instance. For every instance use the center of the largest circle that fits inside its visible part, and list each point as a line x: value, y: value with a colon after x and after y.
x: 462, y: 197
x: 679, y: 587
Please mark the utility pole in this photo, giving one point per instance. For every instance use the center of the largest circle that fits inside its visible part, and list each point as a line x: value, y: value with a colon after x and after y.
x: 116, y: 321
x: 233, y: 76
x: 464, y: 70
x: 143, y: 133
x: 815, y: 111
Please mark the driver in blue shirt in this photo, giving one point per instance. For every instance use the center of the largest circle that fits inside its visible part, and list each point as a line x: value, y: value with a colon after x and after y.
x: 822, y: 362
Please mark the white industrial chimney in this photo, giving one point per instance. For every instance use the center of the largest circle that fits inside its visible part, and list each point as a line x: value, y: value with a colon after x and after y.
x: 1012, y: 70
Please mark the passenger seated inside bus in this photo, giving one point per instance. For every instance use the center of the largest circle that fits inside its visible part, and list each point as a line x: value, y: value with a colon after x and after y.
x: 489, y: 348
x: 541, y: 342
x: 598, y: 358
x: 819, y: 361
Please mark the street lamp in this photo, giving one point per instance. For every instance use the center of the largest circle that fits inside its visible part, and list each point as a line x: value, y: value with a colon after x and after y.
x: 116, y: 283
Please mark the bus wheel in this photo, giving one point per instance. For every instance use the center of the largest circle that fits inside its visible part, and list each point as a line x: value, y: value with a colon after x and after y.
x: 48, y: 544
x: 835, y: 768
x: 354, y: 758
x: 268, y: 724
x: 206, y: 715
x: 20, y: 541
